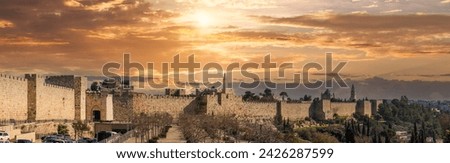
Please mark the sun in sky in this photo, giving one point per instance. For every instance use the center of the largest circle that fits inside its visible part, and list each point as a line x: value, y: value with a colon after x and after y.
x: 203, y: 19
x: 199, y: 18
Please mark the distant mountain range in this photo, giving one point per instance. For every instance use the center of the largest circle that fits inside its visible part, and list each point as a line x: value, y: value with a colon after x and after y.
x: 372, y: 88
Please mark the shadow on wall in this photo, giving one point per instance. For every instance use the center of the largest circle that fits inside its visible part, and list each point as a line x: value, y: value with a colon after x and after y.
x: 315, y: 112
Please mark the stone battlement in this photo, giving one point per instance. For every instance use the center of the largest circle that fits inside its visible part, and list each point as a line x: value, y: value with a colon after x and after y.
x: 61, y: 80
x: 57, y: 87
x: 297, y: 102
x: 35, y: 76
x: 149, y: 96
x: 225, y: 95
x: 259, y: 102
x: 4, y: 76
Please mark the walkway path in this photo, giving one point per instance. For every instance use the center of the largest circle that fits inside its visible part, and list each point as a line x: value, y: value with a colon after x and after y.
x: 173, y: 136
x: 133, y: 140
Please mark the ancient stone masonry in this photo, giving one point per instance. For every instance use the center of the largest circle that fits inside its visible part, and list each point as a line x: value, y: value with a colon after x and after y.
x: 47, y: 101
x: 99, y: 106
x: 233, y: 105
x: 375, y: 105
x: 13, y: 98
x: 295, y: 111
x: 125, y: 105
x: 340, y: 108
x: 79, y: 84
x: 37, y: 97
x: 364, y: 107
x: 65, y: 98
x: 322, y: 109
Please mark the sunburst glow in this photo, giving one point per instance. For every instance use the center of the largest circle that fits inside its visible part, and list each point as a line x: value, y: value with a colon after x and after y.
x: 203, y: 19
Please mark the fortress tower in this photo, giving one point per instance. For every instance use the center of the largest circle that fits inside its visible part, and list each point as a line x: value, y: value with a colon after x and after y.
x: 352, y: 93
x: 80, y: 86
x: 224, y: 85
x: 32, y: 80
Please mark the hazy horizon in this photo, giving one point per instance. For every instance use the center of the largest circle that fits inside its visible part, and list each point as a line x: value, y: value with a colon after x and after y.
x: 390, y: 39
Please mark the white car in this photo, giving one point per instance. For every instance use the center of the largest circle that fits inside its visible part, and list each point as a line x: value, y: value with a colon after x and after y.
x: 4, y: 141
x: 4, y: 136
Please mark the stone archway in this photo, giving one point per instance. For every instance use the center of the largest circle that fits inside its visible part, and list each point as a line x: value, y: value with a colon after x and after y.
x: 96, y: 115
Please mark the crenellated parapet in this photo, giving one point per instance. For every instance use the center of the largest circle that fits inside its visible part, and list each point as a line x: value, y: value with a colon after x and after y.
x: 12, y: 78
x: 259, y: 102
x: 57, y: 87
x: 153, y: 97
x: 67, y: 81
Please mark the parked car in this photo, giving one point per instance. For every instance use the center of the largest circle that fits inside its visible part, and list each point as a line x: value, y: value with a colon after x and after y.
x: 4, y: 141
x: 48, y: 138
x: 23, y: 141
x: 4, y: 136
x: 102, y: 135
x: 56, y: 140
x: 87, y: 140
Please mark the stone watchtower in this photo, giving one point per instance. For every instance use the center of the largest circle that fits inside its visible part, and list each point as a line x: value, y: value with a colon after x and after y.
x: 80, y: 86
x: 224, y: 85
x: 32, y: 80
x: 352, y: 94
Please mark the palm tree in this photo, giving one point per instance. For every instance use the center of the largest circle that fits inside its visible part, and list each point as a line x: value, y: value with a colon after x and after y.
x: 283, y: 95
x: 248, y: 96
x: 268, y: 92
x: 267, y: 95
x: 95, y: 86
x: 307, y: 98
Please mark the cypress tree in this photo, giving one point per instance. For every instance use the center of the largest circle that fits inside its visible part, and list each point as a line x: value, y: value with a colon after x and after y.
x: 379, y: 138
x: 374, y: 138
x: 363, y: 129
x: 414, y: 134
x: 368, y: 127
x: 422, y: 134
x: 349, y: 134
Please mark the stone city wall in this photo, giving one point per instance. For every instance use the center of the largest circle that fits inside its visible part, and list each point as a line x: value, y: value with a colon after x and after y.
x: 54, y: 102
x: 13, y: 98
x: 127, y: 105
x: 48, y: 101
x: 295, y: 111
x: 341, y: 109
x: 233, y: 105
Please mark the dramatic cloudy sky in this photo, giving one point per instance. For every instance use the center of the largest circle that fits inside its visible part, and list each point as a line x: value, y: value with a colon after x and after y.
x: 392, y: 39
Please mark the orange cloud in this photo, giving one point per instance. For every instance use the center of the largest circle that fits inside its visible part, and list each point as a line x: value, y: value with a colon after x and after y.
x: 79, y: 36
x: 25, y: 41
x: 381, y: 34
x: 6, y: 24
